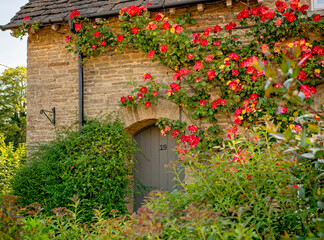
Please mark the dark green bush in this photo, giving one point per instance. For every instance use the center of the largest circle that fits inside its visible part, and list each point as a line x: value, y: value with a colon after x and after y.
x: 94, y: 165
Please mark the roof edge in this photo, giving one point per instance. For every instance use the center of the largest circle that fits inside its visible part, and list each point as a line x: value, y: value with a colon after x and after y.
x: 108, y: 13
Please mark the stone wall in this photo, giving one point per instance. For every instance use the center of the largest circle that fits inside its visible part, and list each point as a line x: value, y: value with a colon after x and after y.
x: 53, y: 76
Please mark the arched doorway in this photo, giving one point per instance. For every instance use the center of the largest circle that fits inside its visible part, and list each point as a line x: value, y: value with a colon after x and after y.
x: 150, y: 170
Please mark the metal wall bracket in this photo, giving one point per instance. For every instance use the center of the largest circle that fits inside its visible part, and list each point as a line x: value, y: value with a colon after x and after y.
x: 42, y: 111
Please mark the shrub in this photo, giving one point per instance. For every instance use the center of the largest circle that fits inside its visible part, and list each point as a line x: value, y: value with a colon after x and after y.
x: 10, y: 161
x: 94, y: 165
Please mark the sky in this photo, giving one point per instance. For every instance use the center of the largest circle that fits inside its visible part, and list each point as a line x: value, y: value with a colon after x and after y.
x: 13, y: 52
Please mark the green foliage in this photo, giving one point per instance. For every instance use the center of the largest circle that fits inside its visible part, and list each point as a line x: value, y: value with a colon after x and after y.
x: 13, y: 82
x: 95, y: 166
x: 10, y: 161
x: 22, y: 31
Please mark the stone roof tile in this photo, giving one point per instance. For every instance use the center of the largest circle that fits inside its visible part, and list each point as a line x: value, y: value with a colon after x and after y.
x: 51, y: 11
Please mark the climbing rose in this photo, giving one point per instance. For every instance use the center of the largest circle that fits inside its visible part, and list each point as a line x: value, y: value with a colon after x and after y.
x: 143, y: 90
x: 231, y: 132
x: 211, y: 74
x: 74, y: 14
x: 298, y: 128
x: 78, y: 27
x: 236, y: 120
x: 234, y: 56
x: 120, y: 38
x: 103, y: 43
x: 96, y: 34
x: 209, y: 58
x: 175, y: 133
x: 235, y: 72
x: 216, y: 43
x: 289, y: 16
x: 253, y: 96
x: 278, y: 22
x: 230, y: 26
x: 123, y: 99
x: 147, y: 76
x: 151, y: 53
x: 192, y: 128
x: 139, y: 95
x: 175, y: 86
x: 190, y: 56
x: 207, y: 32
x: 302, y: 75
x: 164, y: 48
x: 155, y: 93
x: 246, y: 103
x: 295, y: 186
x: 317, y: 17
x: 135, y: 30
x: 94, y: 47
x: 244, y: 14
x: 148, y: 104
x: 218, y: 102
x: 151, y: 26
x: 67, y: 39
x: 281, y: 6
x: 159, y: 17
x: 166, y: 24
x: 217, y: 29
x: 198, y: 66
x: 203, y: 42
x: 26, y: 18
x: 149, y: 4
x: 130, y: 97
x: 294, y: 4
x: 202, y: 102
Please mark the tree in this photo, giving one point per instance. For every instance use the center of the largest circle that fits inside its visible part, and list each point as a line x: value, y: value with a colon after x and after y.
x: 13, y: 82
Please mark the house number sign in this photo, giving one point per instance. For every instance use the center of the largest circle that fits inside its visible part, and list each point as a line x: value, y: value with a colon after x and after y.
x: 163, y: 147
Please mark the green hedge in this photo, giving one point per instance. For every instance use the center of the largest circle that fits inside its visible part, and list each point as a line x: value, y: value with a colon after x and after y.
x: 94, y: 165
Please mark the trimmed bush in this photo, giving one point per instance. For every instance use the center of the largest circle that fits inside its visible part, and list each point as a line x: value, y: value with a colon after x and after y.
x: 94, y: 165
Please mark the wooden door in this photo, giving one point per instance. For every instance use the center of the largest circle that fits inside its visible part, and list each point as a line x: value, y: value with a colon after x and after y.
x: 150, y: 170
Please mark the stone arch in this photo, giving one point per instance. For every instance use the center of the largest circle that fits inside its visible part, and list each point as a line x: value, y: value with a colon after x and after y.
x: 141, y: 117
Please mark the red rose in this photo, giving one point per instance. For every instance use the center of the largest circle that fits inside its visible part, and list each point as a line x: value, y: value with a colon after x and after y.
x: 211, y: 74
x: 139, y: 95
x: 175, y: 133
x: 147, y: 76
x: 217, y: 28
x: 103, y: 43
x: 159, y: 17
x: 190, y: 56
x: 207, y: 32
x: 78, y: 27
x: 67, y: 39
x: 203, y: 42
x: 244, y: 14
x: 26, y: 18
x: 303, y: 8
x: 235, y: 72
x: 149, y: 4
x: 317, y: 17
x: 294, y: 4
x: 164, y: 48
x: 166, y: 25
x: 253, y: 96
x: 289, y: 16
x: 216, y: 43
x: 148, y: 104
x: 96, y: 34
x: 130, y: 97
x: 281, y: 6
x: 202, y: 102
x: 143, y: 90
x: 230, y: 26
x: 123, y: 99
x: 120, y: 38
x: 234, y: 56
x: 135, y: 30
x: 198, y: 66
x: 74, y: 14
x: 175, y: 86
x: 151, y: 54
x: 94, y: 47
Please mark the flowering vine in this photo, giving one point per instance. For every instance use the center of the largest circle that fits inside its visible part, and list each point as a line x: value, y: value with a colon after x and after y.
x: 217, y: 59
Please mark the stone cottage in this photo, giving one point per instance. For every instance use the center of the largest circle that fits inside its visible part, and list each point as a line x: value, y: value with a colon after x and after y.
x: 57, y: 80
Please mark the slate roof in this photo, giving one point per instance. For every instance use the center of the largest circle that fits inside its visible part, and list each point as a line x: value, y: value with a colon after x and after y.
x: 58, y: 11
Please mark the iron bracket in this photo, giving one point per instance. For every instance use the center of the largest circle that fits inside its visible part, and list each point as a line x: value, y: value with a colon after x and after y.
x: 42, y: 111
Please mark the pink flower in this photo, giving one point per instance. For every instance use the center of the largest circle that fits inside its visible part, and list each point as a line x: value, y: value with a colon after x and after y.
x: 202, y: 102
x: 67, y: 39
x: 246, y: 103
x: 211, y: 74
x: 190, y: 56
x: 164, y: 48
x: 151, y: 53
x: 278, y: 22
x: 198, y: 66
x: 175, y: 133
x: 192, y: 128
x: 209, y: 58
x: 298, y: 128
x: 147, y: 76
x: 234, y: 56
